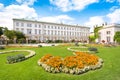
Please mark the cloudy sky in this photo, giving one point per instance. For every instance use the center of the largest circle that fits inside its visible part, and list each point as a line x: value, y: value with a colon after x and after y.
x: 82, y: 12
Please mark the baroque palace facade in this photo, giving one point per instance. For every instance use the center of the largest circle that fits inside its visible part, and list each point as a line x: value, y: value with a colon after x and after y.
x: 107, y: 33
x: 43, y: 31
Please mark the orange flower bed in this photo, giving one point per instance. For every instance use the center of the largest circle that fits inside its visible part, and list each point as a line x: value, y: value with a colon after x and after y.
x: 55, y: 62
x: 72, y: 64
x: 45, y: 58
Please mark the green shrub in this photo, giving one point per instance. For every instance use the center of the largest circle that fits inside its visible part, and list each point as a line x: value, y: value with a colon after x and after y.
x: 14, y: 59
x: 93, y: 49
x: 39, y: 45
x: 76, y: 44
x: 1, y: 47
x: 58, y: 41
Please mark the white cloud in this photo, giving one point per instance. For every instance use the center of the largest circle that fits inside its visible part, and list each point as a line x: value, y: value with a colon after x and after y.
x: 1, y: 6
x: 111, y: 1
x: 114, y: 16
x: 15, y: 11
x: 68, y: 5
x: 57, y: 19
x: 95, y: 20
x: 23, y: 11
x: 114, y: 8
x: 26, y: 2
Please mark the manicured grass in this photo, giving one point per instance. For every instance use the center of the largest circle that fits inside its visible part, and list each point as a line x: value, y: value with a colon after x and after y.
x: 29, y: 70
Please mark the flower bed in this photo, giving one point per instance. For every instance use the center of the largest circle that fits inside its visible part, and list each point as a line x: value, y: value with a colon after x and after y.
x: 79, y: 63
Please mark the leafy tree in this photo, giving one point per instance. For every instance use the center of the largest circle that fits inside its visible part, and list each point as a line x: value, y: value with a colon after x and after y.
x: 92, y: 38
x: 117, y: 37
x: 1, y: 31
x: 96, y: 29
x: 11, y: 34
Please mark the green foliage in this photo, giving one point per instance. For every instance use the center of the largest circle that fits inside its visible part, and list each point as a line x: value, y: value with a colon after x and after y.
x: 93, y: 49
x: 14, y: 59
x: 92, y: 38
x: 49, y: 41
x: 117, y: 37
x: 96, y: 29
x: 58, y: 41
x: 1, y: 31
x: 1, y: 47
x: 11, y: 34
x: 39, y: 45
x: 29, y: 70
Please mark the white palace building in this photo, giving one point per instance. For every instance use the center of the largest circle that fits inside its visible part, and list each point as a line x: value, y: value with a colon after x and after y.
x: 107, y: 33
x: 43, y: 31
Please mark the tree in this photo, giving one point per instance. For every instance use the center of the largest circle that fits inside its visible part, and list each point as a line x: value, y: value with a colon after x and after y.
x: 1, y: 31
x: 117, y: 37
x: 91, y: 38
x: 96, y: 29
x: 14, y: 35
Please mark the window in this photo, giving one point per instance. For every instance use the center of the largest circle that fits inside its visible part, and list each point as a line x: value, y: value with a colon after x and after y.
x: 29, y: 25
x: 108, y: 39
x: 22, y: 24
x: 48, y: 27
x: 35, y: 25
x: 29, y: 31
x: 108, y: 32
x: 22, y: 30
x: 17, y: 29
x: 39, y: 26
x: 39, y: 31
x: 35, y: 31
x: 17, y: 23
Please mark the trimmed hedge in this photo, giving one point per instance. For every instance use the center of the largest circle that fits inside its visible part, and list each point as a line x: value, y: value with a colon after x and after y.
x: 14, y: 59
x: 93, y: 49
x: 1, y: 47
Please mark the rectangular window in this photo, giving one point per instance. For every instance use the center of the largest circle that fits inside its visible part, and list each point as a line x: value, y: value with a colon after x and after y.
x: 35, y: 25
x: 22, y: 24
x: 108, y: 32
x: 17, y: 29
x: 108, y: 39
x: 39, y: 31
x: 39, y: 26
x: 35, y: 31
x: 22, y: 30
x: 29, y: 25
x: 29, y: 31
x: 17, y: 23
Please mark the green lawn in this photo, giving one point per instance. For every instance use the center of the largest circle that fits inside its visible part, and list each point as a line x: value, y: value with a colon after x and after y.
x: 29, y: 70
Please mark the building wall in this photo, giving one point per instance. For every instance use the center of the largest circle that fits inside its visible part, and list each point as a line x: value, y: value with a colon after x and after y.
x: 107, y: 33
x: 51, y: 31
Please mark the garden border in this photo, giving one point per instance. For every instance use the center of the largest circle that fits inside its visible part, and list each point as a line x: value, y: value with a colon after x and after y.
x: 32, y: 53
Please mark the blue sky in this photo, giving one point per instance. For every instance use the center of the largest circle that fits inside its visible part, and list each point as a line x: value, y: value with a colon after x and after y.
x: 82, y: 12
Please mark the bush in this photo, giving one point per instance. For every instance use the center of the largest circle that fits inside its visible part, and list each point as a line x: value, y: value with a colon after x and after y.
x: 1, y: 47
x: 58, y: 41
x: 14, y: 59
x: 93, y: 49
x: 76, y: 44
x: 52, y: 45
x: 39, y: 45
x: 49, y: 41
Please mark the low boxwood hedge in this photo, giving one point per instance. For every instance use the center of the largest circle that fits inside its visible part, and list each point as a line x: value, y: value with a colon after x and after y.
x: 93, y: 49
x: 16, y: 58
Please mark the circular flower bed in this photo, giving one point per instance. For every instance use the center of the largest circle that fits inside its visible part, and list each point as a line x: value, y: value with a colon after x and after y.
x: 79, y: 63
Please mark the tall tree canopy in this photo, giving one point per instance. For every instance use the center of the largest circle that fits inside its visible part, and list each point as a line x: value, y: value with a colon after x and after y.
x: 11, y: 34
x: 1, y: 31
x: 96, y: 29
